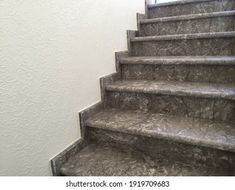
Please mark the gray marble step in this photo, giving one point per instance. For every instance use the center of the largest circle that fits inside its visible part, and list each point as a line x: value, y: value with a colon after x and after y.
x: 200, y: 44
x: 182, y: 68
x: 198, y: 100
x: 185, y: 7
x: 187, y: 24
x: 110, y: 160
x: 206, y: 90
x: 206, y: 133
x: 136, y: 143
x: 179, y: 60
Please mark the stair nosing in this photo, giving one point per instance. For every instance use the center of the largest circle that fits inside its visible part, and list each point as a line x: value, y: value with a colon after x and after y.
x: 173, y: 3
x: 188, y: 17
x: 182, y: 60
x: 171, y: 92
x: 159, y: 134
x: 230, y: 34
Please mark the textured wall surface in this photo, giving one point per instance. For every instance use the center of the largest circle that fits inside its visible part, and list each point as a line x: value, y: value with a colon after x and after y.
x: 52, y: 54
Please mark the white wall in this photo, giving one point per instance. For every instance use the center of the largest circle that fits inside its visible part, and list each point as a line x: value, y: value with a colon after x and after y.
x: 52, y: 54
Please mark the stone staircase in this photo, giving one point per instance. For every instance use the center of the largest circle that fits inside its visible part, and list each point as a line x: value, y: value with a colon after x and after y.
x: 170, y: 107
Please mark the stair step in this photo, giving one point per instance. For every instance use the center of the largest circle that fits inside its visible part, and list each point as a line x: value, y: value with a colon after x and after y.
x: 205, y: 133
x: 186, y: 7
x: 185, y: 36
x: 176, y: 60
x: 201, y: 44
x: 184, y: 69
x: 188, y: 17
x: 105, y: 160
x: 186, y: 24
x: 175, y: 88
x: 178, y: 2
x: 179, y: 72
x: 183, y: 99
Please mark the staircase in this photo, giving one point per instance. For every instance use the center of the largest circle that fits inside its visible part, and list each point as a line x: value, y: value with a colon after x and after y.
x: 170, y: 108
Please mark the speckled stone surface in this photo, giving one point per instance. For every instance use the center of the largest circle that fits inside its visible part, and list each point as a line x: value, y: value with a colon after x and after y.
x: 169, y: 109
x: 187, y: 24
x: 164, y: 147
x: 107, y: 160
x: 206, y: 90
x: 161, y: 148
x: 214, y: 109
x: 187, y: 130
x: 184, y: 73
x: 85, y: 114
x: 196, y: 36
x: 209, y: 69
x: 58, y: 161
x: 180, y: 60
x: 184, y: 8
x: 211, y: 44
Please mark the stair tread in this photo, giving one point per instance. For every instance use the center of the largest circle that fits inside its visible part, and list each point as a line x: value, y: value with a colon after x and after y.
x: 188, y: 17
x: 185, y: 36
x: 179, y: 2
x: 106, y: 160
x: 206, y: 90
x: 219, y: 135
x: 218, y: 60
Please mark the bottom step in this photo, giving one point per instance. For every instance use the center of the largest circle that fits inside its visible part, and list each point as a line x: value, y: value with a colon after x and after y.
x: 122, y: 160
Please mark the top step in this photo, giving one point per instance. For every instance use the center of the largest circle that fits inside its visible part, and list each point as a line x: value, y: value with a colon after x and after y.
x: 185, y: 7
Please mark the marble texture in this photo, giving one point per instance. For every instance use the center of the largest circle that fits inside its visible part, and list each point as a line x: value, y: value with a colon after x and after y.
x: 180, y: 68
x: 169, y: 109
x: 109, y: 79
x: 58, y: 161
x: 188, y: 24
x: 130, y: 35
x: 108, y: 160
x: 186, y: 7
x: 204, y: 90
x: 184, y: 73
x: 201, y: 132
x: 207, y: 44
x: 180, y: 60
x: 143, y: 20
x: 167, y: 148
x: 88, y: 112
x: 214, y: 109
x: 197, y: 36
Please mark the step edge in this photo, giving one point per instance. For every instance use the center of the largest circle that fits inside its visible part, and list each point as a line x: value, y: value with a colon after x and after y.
x: 60, y: 159
x: 177, y: 138
x: 170, y: 92
x: 181, y: 2
x: 169, y: 61
x: 189, y: 17
x: 230, y: 34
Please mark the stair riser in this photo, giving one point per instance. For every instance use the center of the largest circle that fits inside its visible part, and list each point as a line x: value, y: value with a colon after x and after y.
x: 154, y: 150
x: 186, y: 73
x: 193, y: 8
x: 206, y: 108
x: 216, y: 24
x: 192, y: 47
